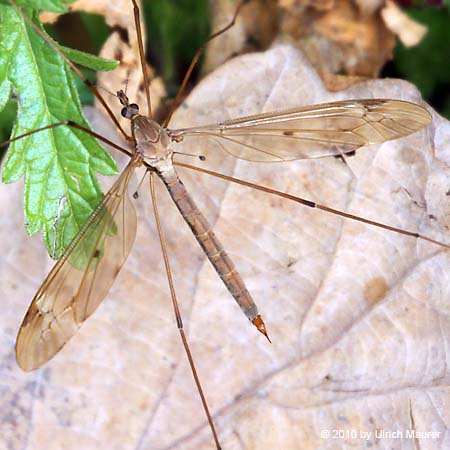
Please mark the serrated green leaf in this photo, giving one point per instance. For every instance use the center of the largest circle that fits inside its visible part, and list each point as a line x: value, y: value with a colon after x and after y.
x: 5, y: 90
x: 90, y: 61
x: 56, y: 6
x: 59, y: 165
x: 6, y: 122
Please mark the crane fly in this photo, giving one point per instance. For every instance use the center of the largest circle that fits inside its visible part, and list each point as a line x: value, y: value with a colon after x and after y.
x: 74, y: 289
x: 82, y: 277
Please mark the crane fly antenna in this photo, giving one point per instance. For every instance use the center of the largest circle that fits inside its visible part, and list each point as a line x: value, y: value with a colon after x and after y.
x: 195, y: 59
x: 137, y: 21
x: 106, y: 90
x: 126, y: 81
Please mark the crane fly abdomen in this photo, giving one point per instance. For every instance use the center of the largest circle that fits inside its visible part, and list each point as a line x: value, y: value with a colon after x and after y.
x: 154, y: 146
x: 209, y: 243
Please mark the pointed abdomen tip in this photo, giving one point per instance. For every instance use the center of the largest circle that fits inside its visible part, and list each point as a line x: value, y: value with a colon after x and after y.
x: 261, y: 326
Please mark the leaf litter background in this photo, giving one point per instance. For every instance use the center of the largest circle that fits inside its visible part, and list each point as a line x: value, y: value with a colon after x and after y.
x: 358, y: 316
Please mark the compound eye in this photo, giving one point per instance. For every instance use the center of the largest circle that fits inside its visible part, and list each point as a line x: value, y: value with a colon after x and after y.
x: 124, y: 112
x: 134, y: 109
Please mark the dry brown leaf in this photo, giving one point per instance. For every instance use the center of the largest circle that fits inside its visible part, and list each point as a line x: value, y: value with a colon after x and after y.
x: 336, y: 83
x: 337, y: 36
x: 345, y: 38
x: 355, y: 37
x: 320, y: 5
x: 358, y: 316
x: 369, y: 7
x: 408, y: 30
x: 116, y: 13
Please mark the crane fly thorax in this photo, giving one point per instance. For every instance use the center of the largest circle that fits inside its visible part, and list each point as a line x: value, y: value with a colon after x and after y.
x: 152, y: 141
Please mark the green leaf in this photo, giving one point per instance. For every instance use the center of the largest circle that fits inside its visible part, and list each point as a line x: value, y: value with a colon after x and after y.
x: 90, y: 61
x: 59, y: 165
x: 56, y: 6
x: 6, y: 122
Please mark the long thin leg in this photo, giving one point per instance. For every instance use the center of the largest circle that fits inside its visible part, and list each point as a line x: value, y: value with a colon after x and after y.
x: 73, y: 67
x: 195, y: 59
x: 178, y: 314
x: 137, y: 23
x: 312, y: 204
x: 72, y: 124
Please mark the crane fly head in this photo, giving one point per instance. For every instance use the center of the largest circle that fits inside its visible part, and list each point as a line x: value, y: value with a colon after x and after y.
x: 129, y: 110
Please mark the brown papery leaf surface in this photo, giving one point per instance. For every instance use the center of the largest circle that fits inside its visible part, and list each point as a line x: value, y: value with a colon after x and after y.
x: 344, y: 36
x: 354, y: 37
x: 358, y: 316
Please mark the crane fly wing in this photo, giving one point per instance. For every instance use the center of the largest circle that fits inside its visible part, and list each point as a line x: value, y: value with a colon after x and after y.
x: 328, y: 129
x: 81, y: 278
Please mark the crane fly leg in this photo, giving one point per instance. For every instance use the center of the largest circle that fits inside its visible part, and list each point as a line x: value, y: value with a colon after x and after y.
x: 312, y: 204
x: 178, y: 314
